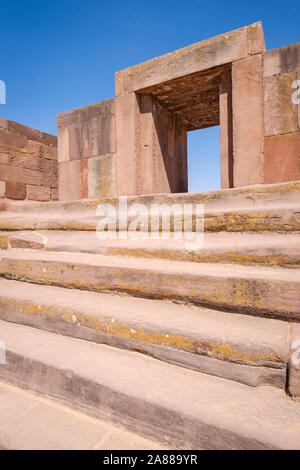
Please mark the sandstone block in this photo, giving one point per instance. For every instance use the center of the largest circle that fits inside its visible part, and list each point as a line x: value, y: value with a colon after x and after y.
x: 19, y: 129
x: 49, y: 167
x: 21, y: 175
x: 256, y: 39
x: 12, y: 141
x: 42, y: 150
x: 38, y: 193
x: 101, y: 176
x: 247, y: 121
x: 69, y: 180
x: 54, y: 194
x: 2, y: 188
x: 49, y: 140
x: 280, y: 113
x: 84, y: 178
x: 15, y: 190
x: 282, y: 158
x: 101, y: 109
x: 63, y: 148
x: 294, y: 362
x: 203, y: 55
x: 282, y: 60
x: 3, y: 123
x: 4, y: 158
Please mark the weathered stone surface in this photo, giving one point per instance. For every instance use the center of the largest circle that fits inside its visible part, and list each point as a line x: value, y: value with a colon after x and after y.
x: 84, y: 174
x: 256, y: 39
x: 4, y: 158
x: 244, y: 289
x: 15, y: 190
x: 3, y: 123
x: 63, y: 144
x: 38, y: 193
x: 19, y: 129
x: 226, y: 141
x: 99, y: 110
x: 247, y: 121
x: 54, y: 194
x: 298, y: 78
x: 101, y: 176
x: 159, y: 399
x: 11, y: 141
x: 69, y: 180
x: 41, y: 150
x: 195, y: 58
x: 22, y: 414
x: 2, y: 188
x: 282, y: 158
x: 237, y: 347
x: 294, y: 361
x: 280, y: 113
x: 48, y: 167
x: 282, y: 60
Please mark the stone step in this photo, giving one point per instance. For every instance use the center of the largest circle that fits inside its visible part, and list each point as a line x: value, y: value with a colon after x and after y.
x: 31, y: 422
x: 247, y: 349
x: 259, y: 290
x: 257, y: 208
x: 243, y: 248
x: 183, y: 408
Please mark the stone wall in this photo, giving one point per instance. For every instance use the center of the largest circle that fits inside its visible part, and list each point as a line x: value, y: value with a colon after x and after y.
x: 87, y: 147
x: 28, y: 163
x: 281, y: 116
x: 136, y: 143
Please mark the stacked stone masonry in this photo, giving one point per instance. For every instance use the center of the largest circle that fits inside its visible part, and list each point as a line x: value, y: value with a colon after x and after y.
x: 28, y: 163
x: 136, y: 143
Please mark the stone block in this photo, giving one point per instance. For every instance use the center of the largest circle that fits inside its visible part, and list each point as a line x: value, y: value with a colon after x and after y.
x: 298, y: 78
x: 101, y: 109
x: 41, y: 150
x: 49, y: 167
x: 294, y: 362
x: 63, y: 148
x: 15, y: 190
x: 282, y: 158
x: 280, y: 113
x: 69, y: 180
x: 19, y: 129
x: 38, y: 193
x: 12, y: 141
x: 49, y: 140
x: 282, y: 60
x: 2, y: 188
x: 101, y: 176
x: 213, y: 52
x: 128, y: 131
x: 84, y: 179
x: 256, y: 39
x: 54, y: 194
x: 20, y: 175
x: 78, y: 143
x: 226, y: 142
x: 247, y: 121
x: 4, y: 158
x: 3, y: 123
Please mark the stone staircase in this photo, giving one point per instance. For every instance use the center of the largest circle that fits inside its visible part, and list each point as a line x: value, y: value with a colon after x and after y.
x: 188, y: 347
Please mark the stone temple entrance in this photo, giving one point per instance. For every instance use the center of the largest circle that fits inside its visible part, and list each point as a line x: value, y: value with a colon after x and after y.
x: 189, y: 89
x: 136, y: 143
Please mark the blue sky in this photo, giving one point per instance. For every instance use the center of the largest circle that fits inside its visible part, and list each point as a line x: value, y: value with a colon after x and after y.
x: 58, y: 55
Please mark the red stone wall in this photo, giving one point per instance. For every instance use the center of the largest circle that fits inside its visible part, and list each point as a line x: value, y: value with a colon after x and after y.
x: 281, y: 116
x: 28, y: 163
x: 86, y: 151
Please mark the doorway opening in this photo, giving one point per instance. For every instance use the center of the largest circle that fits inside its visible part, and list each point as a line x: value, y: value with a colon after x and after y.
x: 204, y: 159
